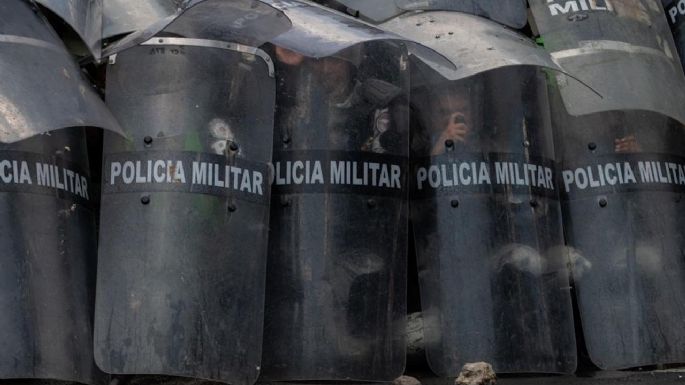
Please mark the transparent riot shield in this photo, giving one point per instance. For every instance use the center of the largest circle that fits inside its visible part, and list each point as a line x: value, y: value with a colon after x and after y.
x: 48, y: 261
x: 623, y: 50
x: 84, y: 17
x: 512, y: 13
x: 336, y: 280
x: 472, y: 44
x: 121, y: 17
x: 185, y: 209
x: 43, y: 89
x: 622, y: 181
x: 675, y: 14
x: 487, y: 223
x: 248, y: 22
x: 47, y: 204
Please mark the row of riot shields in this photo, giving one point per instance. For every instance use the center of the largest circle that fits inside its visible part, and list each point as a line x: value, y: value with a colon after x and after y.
x: 253, y: 207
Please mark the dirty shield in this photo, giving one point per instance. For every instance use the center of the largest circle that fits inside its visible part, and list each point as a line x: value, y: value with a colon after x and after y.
x: 512, y: 13
x: 47, y: 204
x: 621, y: 51
x: 39, y: 69
x: 675, y: 14
x: 487, y: 223
x: 622, y: 181
x: 336, y: 287
x: 185, y: 211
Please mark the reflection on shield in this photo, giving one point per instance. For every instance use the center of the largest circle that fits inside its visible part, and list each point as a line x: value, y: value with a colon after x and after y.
x: 675, y: 14
x: 47, y: 204
x: 336, y: 292
x: 487, y: 222
x: 185, y: 203
x: 621, y: 176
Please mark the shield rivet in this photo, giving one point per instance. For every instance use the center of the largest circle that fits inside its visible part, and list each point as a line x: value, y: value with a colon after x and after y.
x: 603, y: 202
x: 455, y: 203
x: 231, y: 207
x: 449, y: 143
x: 526, y: 143
x: 592, y: 146
x: 145, y: 199
x: 371, y: 203
x: 233, y: 146
x: 147, y: 140
x: 285, y: 201
x: 533, y: 203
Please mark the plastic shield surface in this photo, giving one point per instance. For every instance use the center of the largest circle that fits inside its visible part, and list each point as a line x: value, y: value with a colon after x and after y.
x: 512, y: 13
x: 472, y: 43
x: 42, y: 88
x: 84, y: 17
x: 184, y: 218
x: 318, y: 32
x: 487, y: 223
x: 336, y: 286
x: 622, y: 49
x: 121, y: 17
x: 48, y: 259
x: 675, y: 13
x: 248, y: 22
x: 622, y: 182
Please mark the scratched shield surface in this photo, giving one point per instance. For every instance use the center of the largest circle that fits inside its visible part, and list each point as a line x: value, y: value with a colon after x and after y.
x: 185, y: 209
x: 487, y: 223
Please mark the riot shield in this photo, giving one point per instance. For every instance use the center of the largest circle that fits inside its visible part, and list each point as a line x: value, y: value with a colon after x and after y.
x: 487, y: 222
x: 43, y: 88
x: 247, y: 22
x: 336, y: 277
x: 84, y: 17
x: 622, y: 178
x: 48, y: 261
x: 675, y: 13
x: 121, y: 17
x: 512, y: 13
x: 47, y: 217
x: 611, y: 45
x: 472, y: 44
x: 185, y: 206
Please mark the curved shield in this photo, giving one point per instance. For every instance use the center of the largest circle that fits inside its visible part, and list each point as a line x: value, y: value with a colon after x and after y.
x: 47, y: 266
x: 248, y: 22
x: 675, y: 13
x: 84, y: 17
x: 43, y: 89
x: 473, y: 44
x: 121, y: 17
x: 513, y: 13
x: 336, y: 279
x: 184, y: 217
x: 487, y: 223
x: 622, y: 49
x: 622, y: 180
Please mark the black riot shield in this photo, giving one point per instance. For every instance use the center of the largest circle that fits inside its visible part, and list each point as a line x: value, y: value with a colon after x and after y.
x: 611, y: 46
x: 47, y: 217
x: 675, y: 13
x: 487, y: 223
x: 185, y: 208
x: 336, y: 286
x: 622, y: 181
